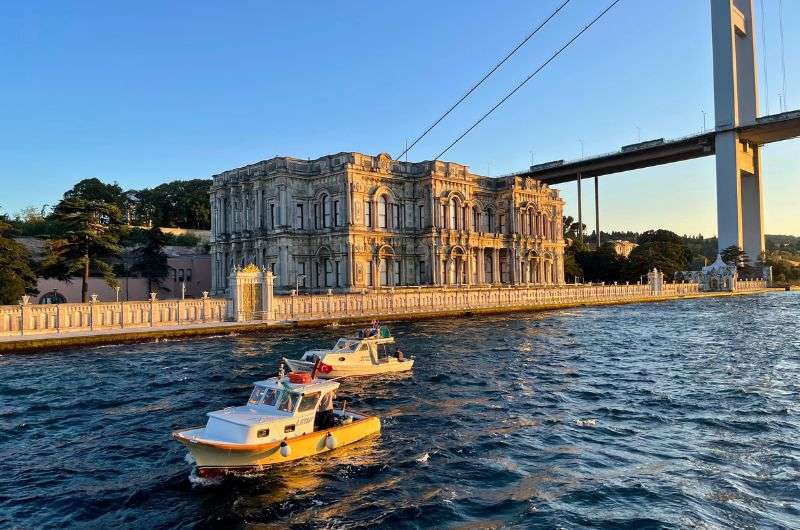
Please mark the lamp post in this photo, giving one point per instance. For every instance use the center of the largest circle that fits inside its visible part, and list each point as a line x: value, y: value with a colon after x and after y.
x: 183, y: 290
x: 116, y: 288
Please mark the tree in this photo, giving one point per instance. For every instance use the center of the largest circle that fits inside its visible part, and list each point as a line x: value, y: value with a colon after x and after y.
x: 95, y: 190
x: 180, y: 203
x: 572, y: 235
x: 91, y: 237
x: 602, y: 265
x: 16, y: 272
x: 151, y: 260
x: 660, y: 249
x: 733, y: 255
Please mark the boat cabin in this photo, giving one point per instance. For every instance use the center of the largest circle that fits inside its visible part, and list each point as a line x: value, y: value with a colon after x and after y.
x: 359, y: 349
x: 276, y: 410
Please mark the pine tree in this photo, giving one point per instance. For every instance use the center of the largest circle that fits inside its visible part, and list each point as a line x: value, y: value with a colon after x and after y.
x: 16, y: 273
x: 91, y: 237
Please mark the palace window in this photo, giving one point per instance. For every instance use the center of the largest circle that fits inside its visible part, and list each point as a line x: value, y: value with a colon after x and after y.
x: 338, y: 273
x: 301, y: 273
x: 328, y: 273
x: 335, y: 213
x: 326, y: 212
x: 383, y: 271
x: 452, y: 210
x: 316, y: 216
x: 298, y: 216
x: 476, y: 219
x: 383, y: 206
x: 368, y: 214
x: 272, y: 216
x: 501, y: 222
x: 398, y: 211
x: 369, y: 273
x: 420, y: 217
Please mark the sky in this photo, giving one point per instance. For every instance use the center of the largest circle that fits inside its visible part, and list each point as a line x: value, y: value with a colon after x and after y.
x: 146, y: 92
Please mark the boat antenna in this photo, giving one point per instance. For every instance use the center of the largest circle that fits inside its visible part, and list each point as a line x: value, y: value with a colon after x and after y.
x: 281, y: 372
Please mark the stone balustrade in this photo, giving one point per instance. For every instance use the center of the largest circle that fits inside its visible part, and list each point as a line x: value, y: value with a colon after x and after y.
x: 443, y: 299
x: 751, y: 285
x: 26, y: 318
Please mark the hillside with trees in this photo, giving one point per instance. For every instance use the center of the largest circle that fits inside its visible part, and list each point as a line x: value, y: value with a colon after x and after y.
x: 670, y: 253
x: 88, y: 229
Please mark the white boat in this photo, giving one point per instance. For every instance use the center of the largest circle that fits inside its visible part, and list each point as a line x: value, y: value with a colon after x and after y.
x: 354, y: 356
x: 276, y: 425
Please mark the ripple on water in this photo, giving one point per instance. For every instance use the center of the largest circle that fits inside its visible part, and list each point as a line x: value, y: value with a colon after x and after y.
x: 672, y: 415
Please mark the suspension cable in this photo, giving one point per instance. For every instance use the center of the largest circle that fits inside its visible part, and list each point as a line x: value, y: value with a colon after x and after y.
x: 783, y: 53
x: 764, y: 51
x: 524, y: 81
x: 485, y: 77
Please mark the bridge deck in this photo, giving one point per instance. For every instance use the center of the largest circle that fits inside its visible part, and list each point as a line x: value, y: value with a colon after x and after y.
x: 767, y: 129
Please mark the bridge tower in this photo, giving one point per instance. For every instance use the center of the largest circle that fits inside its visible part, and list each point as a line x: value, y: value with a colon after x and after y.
x: 740, y: 219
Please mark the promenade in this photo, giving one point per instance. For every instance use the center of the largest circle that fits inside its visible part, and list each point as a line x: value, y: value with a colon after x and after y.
x: 29, y: 327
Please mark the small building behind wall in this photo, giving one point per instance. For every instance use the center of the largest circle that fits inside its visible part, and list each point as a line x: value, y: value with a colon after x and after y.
x: 349, y: 222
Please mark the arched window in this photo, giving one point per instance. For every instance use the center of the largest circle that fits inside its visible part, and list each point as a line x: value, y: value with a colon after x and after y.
x: 453, y: 211
x: 383, y: 207
x: 383, y: 271
x: 476, y: 219
x: 53, y: 297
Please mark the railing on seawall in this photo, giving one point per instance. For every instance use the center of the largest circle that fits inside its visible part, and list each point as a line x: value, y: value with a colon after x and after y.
x: 751, y: 285
x: 443, y: 299
x: 26, y: 318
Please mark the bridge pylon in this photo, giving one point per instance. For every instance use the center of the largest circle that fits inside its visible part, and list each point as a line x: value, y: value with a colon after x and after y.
x: 740, y: 218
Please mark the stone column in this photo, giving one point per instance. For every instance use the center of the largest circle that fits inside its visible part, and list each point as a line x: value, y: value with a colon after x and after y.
x: 496, y: 266
x: 267, y: 295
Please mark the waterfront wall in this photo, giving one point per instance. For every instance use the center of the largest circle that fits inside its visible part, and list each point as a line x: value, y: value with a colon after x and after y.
x: 27, y: 318
x: 33, y: 319
x: 405, y: 301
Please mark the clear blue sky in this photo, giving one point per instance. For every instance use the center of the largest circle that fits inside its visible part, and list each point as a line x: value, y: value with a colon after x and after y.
x: 145, y: 92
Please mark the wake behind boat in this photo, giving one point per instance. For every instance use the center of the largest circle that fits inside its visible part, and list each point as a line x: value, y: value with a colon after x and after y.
x: 367, y: 354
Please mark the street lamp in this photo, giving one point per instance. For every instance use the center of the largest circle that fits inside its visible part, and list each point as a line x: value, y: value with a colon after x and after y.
x: 297, y: 282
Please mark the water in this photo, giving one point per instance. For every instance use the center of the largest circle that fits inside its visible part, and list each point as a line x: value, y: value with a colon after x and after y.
x: 674, y: 415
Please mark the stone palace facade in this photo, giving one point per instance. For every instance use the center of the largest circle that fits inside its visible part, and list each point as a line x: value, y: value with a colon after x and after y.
x: 349, y: 222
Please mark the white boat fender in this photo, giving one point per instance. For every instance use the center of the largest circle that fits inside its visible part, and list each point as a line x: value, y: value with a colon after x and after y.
x: 285, y: 449
x: 330, y: 441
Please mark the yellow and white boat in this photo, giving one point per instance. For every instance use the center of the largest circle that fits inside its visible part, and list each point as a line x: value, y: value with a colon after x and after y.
x: 276, y: 425
x: 354, y: 356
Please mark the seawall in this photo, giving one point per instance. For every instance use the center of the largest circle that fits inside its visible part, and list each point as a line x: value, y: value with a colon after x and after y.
x: 51, y: 342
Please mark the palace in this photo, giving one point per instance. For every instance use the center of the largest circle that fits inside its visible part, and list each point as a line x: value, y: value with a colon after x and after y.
x: 349, y: 222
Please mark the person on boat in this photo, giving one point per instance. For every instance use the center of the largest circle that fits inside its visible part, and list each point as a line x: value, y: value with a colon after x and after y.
x: 398, y: 354
x: 324, y: 417
x: 373, y: 331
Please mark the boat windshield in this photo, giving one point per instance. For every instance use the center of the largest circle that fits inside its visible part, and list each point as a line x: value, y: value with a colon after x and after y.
x: 270, y: 396
x: 345, y: 346
x: 255, y: 397
x: 287, y: 401
x: 263, y: 396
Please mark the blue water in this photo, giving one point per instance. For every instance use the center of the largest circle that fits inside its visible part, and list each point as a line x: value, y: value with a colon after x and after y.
x: 670, y: 415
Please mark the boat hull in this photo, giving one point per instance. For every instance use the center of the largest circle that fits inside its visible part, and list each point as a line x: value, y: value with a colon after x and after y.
x: 353, y: 369
x: 220, y: 458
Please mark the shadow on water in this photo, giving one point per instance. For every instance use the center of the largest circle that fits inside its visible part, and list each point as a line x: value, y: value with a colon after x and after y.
x: 667, y: 415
